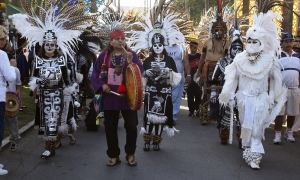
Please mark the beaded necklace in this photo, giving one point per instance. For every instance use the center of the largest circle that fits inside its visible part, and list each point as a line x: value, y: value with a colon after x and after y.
x: 253, y: 58
x: 118, y: 68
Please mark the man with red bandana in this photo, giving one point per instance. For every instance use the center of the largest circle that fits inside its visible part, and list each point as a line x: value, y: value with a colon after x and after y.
x: 109, y: 75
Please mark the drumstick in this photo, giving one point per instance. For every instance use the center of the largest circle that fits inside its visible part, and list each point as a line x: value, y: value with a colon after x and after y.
x: 121, y: 95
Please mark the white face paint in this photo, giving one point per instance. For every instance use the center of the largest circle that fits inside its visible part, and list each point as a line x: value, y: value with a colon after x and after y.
x: 158, y: 48
x: 254, y: 46
x: 50, y: 46
x: 235, y: 50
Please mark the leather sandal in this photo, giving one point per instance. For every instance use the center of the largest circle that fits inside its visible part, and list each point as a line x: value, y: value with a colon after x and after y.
x: 111, y: 163
x: 72, y: 140
x: 57, y: 144
x: 132, y: 162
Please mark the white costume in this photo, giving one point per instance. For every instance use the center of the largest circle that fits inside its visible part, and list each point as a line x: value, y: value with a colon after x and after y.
x: 250, y: 72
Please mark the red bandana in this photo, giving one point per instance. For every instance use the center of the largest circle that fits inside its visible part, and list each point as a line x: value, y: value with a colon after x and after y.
x: 117, y: 33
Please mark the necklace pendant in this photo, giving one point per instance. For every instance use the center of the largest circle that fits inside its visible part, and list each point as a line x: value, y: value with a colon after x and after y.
x: 118, y: 70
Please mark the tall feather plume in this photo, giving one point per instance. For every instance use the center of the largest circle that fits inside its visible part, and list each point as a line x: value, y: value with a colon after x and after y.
x: 143, y: 31
x: 110, y: 21
x: 69, y: 22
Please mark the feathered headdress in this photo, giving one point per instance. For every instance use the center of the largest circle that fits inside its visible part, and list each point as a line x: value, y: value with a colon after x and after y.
x: 64, y: 26
x: 110, y: 21
x: 234, y: 32
x: 264, y: 29
x: 157, y: 22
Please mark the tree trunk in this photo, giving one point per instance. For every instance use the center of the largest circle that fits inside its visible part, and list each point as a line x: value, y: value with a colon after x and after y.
x: 288, y: 19
x: 246, y: 4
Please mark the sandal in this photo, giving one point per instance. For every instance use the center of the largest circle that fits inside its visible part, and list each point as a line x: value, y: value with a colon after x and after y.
x: 72, y: 140
x: 57, y: 144
x: 111, y: 163
x: 132, y: 162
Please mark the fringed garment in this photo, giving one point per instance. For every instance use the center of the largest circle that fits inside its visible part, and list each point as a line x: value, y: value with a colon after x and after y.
x: 158, y: 107
x: 224, y: 113
x: 50, y: 96
x: 257, y: 108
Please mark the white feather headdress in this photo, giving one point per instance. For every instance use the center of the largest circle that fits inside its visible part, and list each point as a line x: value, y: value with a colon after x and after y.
x: 264, y: 29
x: 141, y: 39
x: 67, y: 24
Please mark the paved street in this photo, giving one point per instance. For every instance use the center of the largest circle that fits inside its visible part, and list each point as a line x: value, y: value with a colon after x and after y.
x: 194, y: 153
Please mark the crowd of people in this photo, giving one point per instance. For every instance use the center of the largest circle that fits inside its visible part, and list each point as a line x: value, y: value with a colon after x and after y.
x: 249, y: 83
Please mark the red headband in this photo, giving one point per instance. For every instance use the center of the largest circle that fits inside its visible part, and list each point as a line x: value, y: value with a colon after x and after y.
x: 116, y: 33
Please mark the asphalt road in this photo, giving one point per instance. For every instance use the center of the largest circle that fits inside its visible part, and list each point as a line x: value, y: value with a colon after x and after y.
x: 194, y: 153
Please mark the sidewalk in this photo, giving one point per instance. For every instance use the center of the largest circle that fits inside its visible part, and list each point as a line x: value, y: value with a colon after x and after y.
x: 22, y: 132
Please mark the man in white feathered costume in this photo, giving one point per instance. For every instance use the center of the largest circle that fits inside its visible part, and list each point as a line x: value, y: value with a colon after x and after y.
x: 258, y: 100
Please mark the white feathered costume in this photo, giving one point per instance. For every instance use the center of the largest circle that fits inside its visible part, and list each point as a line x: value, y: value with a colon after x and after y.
x: 258, y: 80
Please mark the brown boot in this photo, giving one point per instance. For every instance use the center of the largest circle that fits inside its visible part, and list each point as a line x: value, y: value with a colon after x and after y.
x: 156, y: 142
x: 58, y: 142
x: 147, y: 139
x: 224, y: 136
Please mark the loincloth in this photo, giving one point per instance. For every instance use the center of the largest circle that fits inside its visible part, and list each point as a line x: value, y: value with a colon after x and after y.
x: 208, y: 70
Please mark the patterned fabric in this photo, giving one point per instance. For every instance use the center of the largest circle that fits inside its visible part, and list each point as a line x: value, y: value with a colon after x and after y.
x: 50, y: 112
x: 158, y: 106
x: 50, y: 96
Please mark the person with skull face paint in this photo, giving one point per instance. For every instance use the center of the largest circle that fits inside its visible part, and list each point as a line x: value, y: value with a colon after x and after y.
x: 256, y: 74
x: 50, y: 76
x: 235, y: 47
x: 214, y: 49
x: 158, y: 106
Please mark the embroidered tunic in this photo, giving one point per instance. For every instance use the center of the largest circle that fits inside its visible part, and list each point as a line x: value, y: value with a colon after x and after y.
x: 111, y: 101
x: 158, y: 107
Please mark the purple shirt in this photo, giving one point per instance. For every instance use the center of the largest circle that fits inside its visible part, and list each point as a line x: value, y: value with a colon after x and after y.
x: 111, y: 101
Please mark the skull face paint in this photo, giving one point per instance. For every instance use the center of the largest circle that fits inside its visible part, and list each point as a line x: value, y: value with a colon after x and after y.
x: 50, y: 46
x: 158, y: 48
x: 254, y: 46
x: 235, y: 50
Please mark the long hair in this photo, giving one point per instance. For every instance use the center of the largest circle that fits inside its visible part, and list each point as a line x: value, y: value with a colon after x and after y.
x: 42, y: 52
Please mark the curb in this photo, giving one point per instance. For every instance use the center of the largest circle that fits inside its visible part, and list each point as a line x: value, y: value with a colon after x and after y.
x: 22, y: 132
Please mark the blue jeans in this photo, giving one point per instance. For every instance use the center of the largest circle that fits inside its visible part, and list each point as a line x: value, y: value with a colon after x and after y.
x: 2, y: 117
x: 177, y: 91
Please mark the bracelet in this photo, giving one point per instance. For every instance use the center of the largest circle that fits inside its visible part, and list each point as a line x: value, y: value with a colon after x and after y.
x: 188, y: 75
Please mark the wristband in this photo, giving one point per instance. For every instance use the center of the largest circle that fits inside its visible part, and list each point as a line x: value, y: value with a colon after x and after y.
x: 188, y: 75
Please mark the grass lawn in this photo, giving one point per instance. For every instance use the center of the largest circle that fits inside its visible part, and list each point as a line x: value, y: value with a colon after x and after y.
x: 28, y: 113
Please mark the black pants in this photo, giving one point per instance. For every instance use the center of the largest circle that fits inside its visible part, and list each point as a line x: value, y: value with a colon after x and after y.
x: 111, y: 119
x: 194, y: 93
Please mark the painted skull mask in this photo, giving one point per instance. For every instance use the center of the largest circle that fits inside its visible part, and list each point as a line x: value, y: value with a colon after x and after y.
x: 50, y: 46
x: 235, y: 49
x: 158, y: 48
x: 158, y: 43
